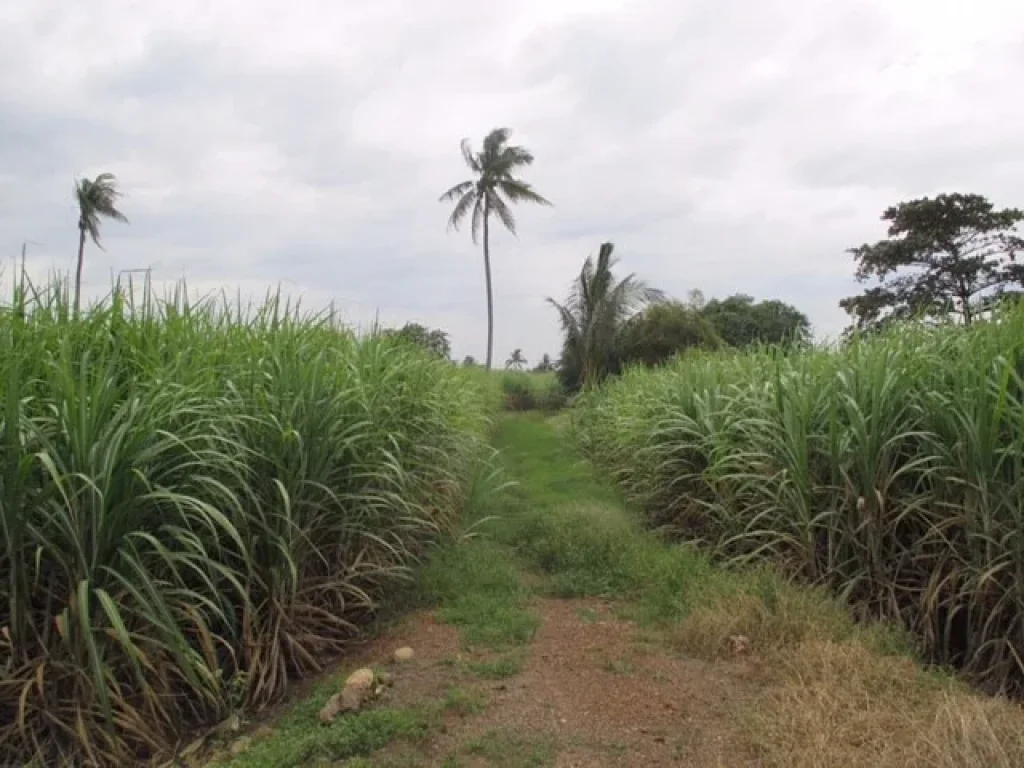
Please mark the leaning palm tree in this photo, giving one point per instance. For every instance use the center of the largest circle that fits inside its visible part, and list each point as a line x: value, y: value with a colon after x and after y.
x: 516, y: 362
x: 597, y: 308
x: 97, y: 200
x: 490, y: 191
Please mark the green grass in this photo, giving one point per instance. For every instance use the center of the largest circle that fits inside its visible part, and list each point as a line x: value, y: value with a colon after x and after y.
x: 299, y: 739
x: 500, y: 668
x: 504, y: 748
x: 477, y: 587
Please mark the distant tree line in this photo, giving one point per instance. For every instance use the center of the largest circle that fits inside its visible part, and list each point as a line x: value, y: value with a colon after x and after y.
x: 610, y: 323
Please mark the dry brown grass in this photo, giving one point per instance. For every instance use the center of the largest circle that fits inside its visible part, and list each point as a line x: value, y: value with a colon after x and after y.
x: 846, y: 704
x: 835, y: 694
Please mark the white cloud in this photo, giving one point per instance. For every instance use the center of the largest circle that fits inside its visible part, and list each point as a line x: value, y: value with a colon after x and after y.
x: 726, y: 145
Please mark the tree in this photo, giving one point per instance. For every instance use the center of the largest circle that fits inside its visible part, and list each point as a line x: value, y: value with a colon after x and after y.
x: 741, y: 322
x: 469, y: 361
x: 953, y: 255
x: 491, y: 190
x: 661, y: 331
x: 431, y: 339
x: 516, y: 362
x: 545, y: 364
x: 97, y: 199
x: 592, y: 316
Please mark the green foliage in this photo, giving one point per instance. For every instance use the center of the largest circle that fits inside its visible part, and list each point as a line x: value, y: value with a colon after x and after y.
x: 301, y: 740
x: 492, y: 188
x: 948, y: 256
x: 546, y: 365
x: 529, y: 391
x: 197, y: 503
x: 592, y: 317
x: 740, y: 322
x: 516, y: 361
x: 662, y: 331
x: 890, y: 471
x: 433, y: 340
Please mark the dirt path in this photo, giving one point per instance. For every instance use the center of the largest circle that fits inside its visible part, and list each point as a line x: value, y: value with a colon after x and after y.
x: 593, y: 691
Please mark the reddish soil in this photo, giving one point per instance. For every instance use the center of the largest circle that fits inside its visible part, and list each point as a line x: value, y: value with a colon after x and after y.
x: 593, y: 689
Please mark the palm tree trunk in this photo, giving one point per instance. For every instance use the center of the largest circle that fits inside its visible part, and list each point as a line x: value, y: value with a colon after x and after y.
x: 78, y: 271
x: 490, y: 297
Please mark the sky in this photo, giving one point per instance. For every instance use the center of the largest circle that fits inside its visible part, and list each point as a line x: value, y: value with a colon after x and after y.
x: 730, y: 146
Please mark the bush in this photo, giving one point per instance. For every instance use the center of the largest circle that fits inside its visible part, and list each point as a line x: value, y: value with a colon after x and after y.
x: 199, y: 507
x: 891, y: 470
x: 529, y: 391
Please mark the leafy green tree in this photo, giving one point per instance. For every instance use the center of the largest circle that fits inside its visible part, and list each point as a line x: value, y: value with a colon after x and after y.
x: 97, y: 200
x: 490, y: 191
x: 661, y: 331
x: 596, y: 310
x: 740, y: 321
x: 516, y: 361
x: 469, y: 362
x: 431, y: 339
x: 545, y: 364
x: 948, y: 256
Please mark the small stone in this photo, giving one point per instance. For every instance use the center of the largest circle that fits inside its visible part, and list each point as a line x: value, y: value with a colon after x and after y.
x: 238, y: 746
x: 739, y: 644
x: 404, y: 654
x: 331, y: 709
x: 378, y: 690
x: 352, y: 698
x: 361, y: 679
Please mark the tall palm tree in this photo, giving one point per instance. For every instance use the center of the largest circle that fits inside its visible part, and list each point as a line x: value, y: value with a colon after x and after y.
x: 597, y: 308
x: 516, y: 362
x: 97, y: 199
x: 491, y: 190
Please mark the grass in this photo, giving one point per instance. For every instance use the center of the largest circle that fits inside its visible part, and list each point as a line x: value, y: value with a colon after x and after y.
x: 504, y: 748
x: 889, y: 470
x: 198, y: 503
x: 298, y: 738
x: 500, y: 668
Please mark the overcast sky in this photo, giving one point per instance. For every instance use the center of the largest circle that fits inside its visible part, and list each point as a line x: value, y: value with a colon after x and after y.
x: 725, y: 145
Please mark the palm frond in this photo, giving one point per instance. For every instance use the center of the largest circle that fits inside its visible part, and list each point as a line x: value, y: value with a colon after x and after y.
x: 467, y: 154
x: 494, y: 143
x: 457, y: 191
x: 501, y: 208
x: 97, y: 198
x: 519, y: 191
x: 461, y: 208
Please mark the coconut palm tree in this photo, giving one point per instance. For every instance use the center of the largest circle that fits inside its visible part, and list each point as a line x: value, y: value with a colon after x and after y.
x: 97, y: 200
x: 516, y: 362
x: 597, y: 308
x: 491, y: 189
x: 545, y: 364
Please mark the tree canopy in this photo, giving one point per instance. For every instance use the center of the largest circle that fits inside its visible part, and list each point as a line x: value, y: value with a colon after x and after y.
x: 595, y: 311
x: 432, y: 339
x: 663, y: 330
x: 948, y: 256
x: 740, y: 321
